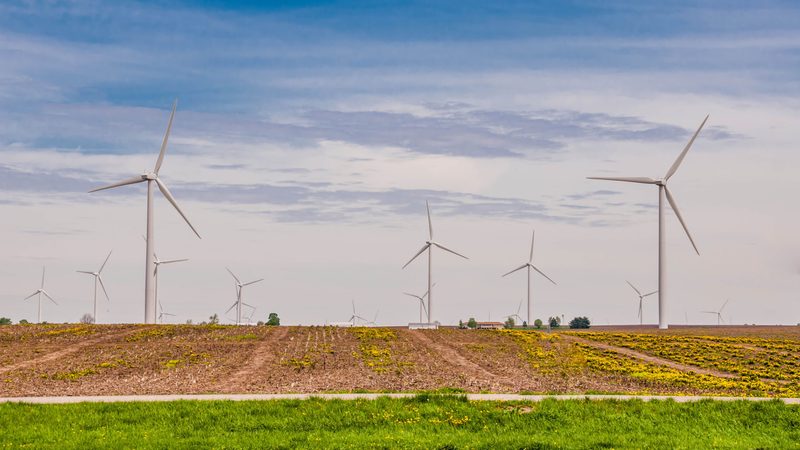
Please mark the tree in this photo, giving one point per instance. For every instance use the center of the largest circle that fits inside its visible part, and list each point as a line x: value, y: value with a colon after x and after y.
x: 579, y: 322
x: 524, y: 324
x: 260, y: 323
x: 555, y: 322
x: 5, y: 321
x: 23, y: 322
x: 87, y: 318
x: 213, y: 320
x: 460, y: 324
x: 509, y: 323
x: 273, y: 320
x: 537, y: 323
x: 472, y: 323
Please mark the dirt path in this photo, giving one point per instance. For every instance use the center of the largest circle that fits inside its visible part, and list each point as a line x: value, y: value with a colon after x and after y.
x: 649, y: 358
x: 452, y: 356
x: 67, y: 351
x: 263, y: 354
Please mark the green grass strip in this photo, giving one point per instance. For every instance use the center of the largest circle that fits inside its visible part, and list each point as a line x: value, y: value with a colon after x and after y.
x: 426, y: 421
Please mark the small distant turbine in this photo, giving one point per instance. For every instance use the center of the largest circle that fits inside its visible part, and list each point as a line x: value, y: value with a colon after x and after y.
x: 152, y: 178
x: 529, y: 265
x: 98, y: 279
x: 662, y: 192
x: 429, y: 244
x: 516, y: 315
x: 39, y: 292
x: 238, y: 304
x: 356, y: 316
x: 421, y: 303
x: 641, y: 297
x: 161, y: 313
x: 718, y: 312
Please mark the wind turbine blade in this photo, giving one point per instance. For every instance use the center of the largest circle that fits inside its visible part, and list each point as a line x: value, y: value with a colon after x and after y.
x: 709, y: 312
x: 133, y: 180
x: 679, y: 160
x: 724, y: 305
x: 643, y: 180
x: 519, y: 307
x: 430, y: 224
x: 253, y: 282
x: 542, y: 274
x: 42, y: 286
x: 170, y: 261
x: 48, y: 296
x: 634, y: 287
x: 412, y: 295
x: 448, y: 250
x: 166, y: 138
x: 83, y: 271
x: 234, y: 276
x: 249, y: 306
x: 100, y: 279
x: 530, y: 260
x: 427, y: 292
x: 104, y: 262
x: 680, y: 218
x: 168, y: 195
x: 31, y: 295
x: 512, y: 271
x: 424, y: 247
x: 232, y: 306
x: 651, y: 293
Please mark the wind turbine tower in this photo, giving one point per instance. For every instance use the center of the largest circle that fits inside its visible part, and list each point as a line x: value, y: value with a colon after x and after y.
x: 529, y: 265
x: 41, y: 292
x: 153, y: 178
x: 663, y: 193
x: 641, y: 298
x: 98, y: 279
x: 238, y: 304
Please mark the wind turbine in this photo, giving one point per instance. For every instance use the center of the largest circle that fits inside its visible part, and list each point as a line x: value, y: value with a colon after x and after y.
x: 641, y: 297
x: 421, y: 302
x: 516, y: 315
x: 161, y: 313
x: 41, y: 291
x: 238, y: 303
x: 662, y: 193
x: 98, y: 278
x: 356, y: 316
x: 529, y: 265
x: 429, y: 244
x: 157, y: 262
x: 150, y: 178
x: 718, y: 312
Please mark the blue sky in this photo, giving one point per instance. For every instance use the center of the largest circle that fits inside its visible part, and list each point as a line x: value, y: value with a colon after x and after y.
x: 313, y: 120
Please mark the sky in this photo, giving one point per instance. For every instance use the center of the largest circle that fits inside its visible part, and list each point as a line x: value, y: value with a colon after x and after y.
x: 309, y: 135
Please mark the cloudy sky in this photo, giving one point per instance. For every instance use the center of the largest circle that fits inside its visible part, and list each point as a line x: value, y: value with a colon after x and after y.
x: 309, y: 136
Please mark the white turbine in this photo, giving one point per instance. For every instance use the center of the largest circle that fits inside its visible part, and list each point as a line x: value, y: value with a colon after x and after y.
x: 157, y: 262
x: 41, y: 291
x: 718, y: 312
x: 641, y: 298
x: 356, y: 316
x: 429, y: 244
x: 238, y: 303
x: 529, y: 265
x: 662, y: 193
x: 98, y: 279
x: 161, y: 313
x: 516, y: 315
x: 421, y: 302
x: 150, y: 178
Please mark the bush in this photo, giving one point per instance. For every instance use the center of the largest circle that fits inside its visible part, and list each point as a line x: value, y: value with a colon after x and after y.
x: 554, y: 322
x: 510, y: 323
x: 579, y: 322
x: 87, y: 318
x: 472, y: 323
x: 5, y: 321
x: 273, y: 320
x: 23, y: 322
x: 537, y: 323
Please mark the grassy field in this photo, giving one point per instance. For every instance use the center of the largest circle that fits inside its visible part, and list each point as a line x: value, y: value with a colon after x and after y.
x: 423, y: 422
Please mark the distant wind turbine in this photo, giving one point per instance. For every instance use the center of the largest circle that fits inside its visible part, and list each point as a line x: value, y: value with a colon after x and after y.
x: 356, y: 316
x: 662, y: 192
x: 421, y: 302
x: 529, y: 265
x: 718, y: 312
x: 161, y: 313
x: 238, y: 303
x: 641, y: 297
x: 150, y: 178
x: 157, y: 263
x: 98, y: 279
x: 516, y: 315
x: 429, y: 244
x: 41, y: 291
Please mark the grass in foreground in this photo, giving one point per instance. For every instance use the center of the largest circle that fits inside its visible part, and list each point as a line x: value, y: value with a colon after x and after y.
x: 422, y: 422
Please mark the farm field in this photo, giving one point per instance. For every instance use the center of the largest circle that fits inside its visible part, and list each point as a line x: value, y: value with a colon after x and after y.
x: 70, y: 359
x: 425, y: 421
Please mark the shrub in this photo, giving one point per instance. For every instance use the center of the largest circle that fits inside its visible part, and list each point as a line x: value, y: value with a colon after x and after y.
x: 554, y: 322
x: 5, y: 321
x: 509, y: 323
x: 537, y: 323
x: 472, y: 323
x: 87, y: 319
x: 273, y: 319
x: 579, y: 322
